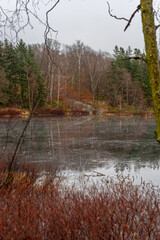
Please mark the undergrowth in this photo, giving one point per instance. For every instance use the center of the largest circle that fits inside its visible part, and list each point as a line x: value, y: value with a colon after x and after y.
x: 117, y: 210
x: 10, y: 112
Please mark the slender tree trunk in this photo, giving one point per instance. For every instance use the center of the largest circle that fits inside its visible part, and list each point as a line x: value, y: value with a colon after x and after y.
x: 149, y: 31
x: 59, y: 85
x: 79, y: 75
x: 51, y: 87
x: 120, y: 102
x: 51, y: 91
x: 29, y: 95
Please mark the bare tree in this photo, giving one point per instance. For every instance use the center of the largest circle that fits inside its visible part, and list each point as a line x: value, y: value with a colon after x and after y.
x: 95, y: 69
x: 79, y: 48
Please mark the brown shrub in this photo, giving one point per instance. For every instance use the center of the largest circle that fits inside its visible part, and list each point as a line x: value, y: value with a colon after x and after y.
x: 22, y: 172
x: 47, y: 111
x: 118, y: 210
x: 10, y: 112
x: 79, y: 112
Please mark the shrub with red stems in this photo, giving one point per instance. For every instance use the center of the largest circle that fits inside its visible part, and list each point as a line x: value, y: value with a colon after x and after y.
x: 116, y: 210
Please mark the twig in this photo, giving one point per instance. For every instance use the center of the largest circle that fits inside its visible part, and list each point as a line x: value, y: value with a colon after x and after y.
x: 99, y: 174
x: 132, y: 16
x: 114, y: 16
x: 122, y: 18
x: 48, y: 27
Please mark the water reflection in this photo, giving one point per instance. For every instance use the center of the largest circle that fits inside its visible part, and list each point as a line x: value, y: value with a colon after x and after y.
x: 87, y: 143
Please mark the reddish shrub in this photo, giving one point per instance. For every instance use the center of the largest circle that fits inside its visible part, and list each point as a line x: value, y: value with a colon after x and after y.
x: 118, y: 210
x: 84, y: 94
x: 10, y: 112
x: 21, y: 171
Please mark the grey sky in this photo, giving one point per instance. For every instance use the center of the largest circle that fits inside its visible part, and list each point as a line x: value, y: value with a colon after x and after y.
x: 89, y: 21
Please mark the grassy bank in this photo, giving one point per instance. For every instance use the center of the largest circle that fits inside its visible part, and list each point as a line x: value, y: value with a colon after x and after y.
x: 117, y: 210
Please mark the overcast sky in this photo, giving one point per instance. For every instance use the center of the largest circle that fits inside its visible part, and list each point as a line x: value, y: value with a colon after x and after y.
x: 89, y: 21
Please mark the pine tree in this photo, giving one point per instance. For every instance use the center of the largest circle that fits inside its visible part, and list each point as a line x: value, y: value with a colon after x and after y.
x: 24, y: 80
x: 8, y: 61
x: 137, y: 68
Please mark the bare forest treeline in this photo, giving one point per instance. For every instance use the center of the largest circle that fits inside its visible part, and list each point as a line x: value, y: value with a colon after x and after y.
x: 61, y: 74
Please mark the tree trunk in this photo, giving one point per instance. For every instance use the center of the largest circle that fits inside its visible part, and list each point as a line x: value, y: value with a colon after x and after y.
x: 79, y: 75
x: 149, y: 31
x: 59, y: 85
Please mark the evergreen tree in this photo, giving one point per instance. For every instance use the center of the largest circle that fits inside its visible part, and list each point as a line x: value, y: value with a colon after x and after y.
x: 8, y: 62
x: 4, y: 96
x: 23, y: 75
x: 137, y: 68
x: 30, y: 77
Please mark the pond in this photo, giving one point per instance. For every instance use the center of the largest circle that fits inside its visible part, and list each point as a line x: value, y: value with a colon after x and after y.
x: 91, y: 147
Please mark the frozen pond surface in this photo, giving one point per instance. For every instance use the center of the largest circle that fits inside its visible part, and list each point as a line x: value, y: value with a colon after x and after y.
x: 89, y: 147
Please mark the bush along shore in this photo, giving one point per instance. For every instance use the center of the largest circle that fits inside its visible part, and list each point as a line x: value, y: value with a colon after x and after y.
x: 118, y: 209
x: 40, y: 112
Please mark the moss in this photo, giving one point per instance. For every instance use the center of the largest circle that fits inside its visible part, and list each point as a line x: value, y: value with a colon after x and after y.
x: 149, y: 31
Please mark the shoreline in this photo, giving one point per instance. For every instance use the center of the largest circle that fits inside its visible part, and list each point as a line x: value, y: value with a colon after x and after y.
x: 24, y: 113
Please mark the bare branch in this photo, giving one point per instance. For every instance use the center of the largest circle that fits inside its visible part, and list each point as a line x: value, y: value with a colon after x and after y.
x: 47, y: 31
x: 114, y: 16
x: 135, y: 58
x: 132, y: 16
x: 49, y: 51
x: 12, y: 22
x: 122, y: 18
x: 48, y: 27
x: 157, y: 15
x: 157, y: 26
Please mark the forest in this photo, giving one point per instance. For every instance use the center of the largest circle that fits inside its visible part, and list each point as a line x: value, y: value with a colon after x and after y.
x: 37, y: 199
x: 58, y: 75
